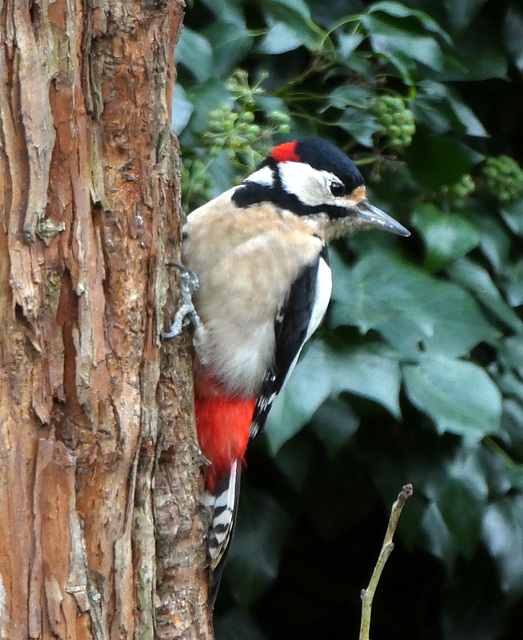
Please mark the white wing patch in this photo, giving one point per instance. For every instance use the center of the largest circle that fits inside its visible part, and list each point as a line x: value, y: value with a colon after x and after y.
x: 323, y: 296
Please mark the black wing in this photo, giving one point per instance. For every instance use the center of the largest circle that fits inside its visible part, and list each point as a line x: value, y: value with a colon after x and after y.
x: 291, y: 330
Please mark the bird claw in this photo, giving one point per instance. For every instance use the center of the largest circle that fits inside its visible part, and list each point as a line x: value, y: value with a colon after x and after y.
x: 186, y: 313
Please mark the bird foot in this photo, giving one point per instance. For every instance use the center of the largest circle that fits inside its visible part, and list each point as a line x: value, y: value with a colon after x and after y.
x: 186, y: 313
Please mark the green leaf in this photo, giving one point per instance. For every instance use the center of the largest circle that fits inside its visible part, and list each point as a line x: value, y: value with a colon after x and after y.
x: 182, y: 109
x: 370, y: 371
x: 460, y: 14
x: 279, y: 7
x: 503, y: 537
x: 334, y: 424
x: 205, y: 97
x: 350, y: 96
x: 513, y: 215
x: 195, y: 53
x: 481, y: 55
x: 308, y: 387
x: 513, y: 34
x: 230, y: 11
x: 398, y: 10
x: 290, y: 27
x: 347, y: 44
x: 459, y: 396
x: 436, y: 537
x: 413, y: 311
x: 515, y: 475
x: 461, y: 496
x: 446, y: 236
x: 495, y: 240
x: 461, y: 509
x: 281, y: 38
x: 514, y: 285
x: 436, y: 161
x: 262, y: 525
x: 294, y: 459
x: 477, y: 279
x: 230, y: 43
x: 360, y: 125
x: 389, y: 36
x: 442, y: 109
x: 511, y: 422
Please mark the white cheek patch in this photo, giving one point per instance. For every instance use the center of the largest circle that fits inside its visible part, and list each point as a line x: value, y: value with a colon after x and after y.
x: 263, y: 176
x: 311, y: 186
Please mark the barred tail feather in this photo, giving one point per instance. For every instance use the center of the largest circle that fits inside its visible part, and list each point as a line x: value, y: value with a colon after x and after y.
x: 224, y: 504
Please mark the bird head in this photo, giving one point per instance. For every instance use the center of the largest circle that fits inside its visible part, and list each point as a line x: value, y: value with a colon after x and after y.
x: 313, y: 179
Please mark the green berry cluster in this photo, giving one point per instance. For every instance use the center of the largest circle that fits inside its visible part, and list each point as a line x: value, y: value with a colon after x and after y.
x: 196, y: 182
x: 457, y: 193
x: 397, y: 121
x: 503, y: 178
x: 233, y: 129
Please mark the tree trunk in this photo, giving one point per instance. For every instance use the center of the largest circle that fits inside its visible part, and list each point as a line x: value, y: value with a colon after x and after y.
x: 100, y: 525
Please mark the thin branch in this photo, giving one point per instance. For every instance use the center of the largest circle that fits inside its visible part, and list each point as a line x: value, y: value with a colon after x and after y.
x: 367, y: 594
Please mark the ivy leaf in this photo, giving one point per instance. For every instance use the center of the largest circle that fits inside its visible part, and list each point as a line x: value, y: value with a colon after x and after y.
x: 503, y: 537
x: 280, y: 38
x: 435, y: 535
x: 296, y: 6
x: 461, y: 14
x: 513, y: 34
x: 182, y: 109
x: 194, y: 51
x: 461, y: 496
x: 370, y: 371
x: 477, y: 279
x: 231, y: 42
x: 308, y: 387
x: 459, y: 396
x: 513, y: 215
x: 334, y: 424
x: 387, y: 37
x: 350, y: 96
x: 360, y: 125
x: 290, y: 26
x: 446, y: 236
x: 413, y: 311
x: 230, y: 12
x: 398, y: 10
x: 442, y: 109
x: 434, y: 152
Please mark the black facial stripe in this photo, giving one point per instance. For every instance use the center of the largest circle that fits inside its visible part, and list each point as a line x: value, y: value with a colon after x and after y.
x: 251, y: 193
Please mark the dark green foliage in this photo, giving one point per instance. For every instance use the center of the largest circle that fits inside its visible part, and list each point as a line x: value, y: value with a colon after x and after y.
x: 417, y: 373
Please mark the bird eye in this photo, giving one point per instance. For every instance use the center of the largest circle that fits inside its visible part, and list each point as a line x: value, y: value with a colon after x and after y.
x: 337, y: 189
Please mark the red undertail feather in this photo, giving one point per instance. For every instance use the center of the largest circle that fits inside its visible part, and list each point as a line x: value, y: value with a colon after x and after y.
x: 223, y: 425
x: 285, y: 152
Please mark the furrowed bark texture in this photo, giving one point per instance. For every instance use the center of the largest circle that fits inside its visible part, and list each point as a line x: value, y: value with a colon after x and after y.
x: 100, y: 524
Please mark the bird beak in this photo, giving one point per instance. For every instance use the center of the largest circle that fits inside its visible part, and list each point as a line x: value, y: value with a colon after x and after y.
x: 369, y: 215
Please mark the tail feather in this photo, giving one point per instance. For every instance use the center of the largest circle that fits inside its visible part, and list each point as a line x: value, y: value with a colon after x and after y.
x: 224, y: 505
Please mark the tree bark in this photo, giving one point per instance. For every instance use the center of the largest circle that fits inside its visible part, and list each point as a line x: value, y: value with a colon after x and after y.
x: 101, y: 530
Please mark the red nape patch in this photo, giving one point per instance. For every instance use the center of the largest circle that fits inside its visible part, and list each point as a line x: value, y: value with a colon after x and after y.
x: 223, y: 425
x: 285, y: 152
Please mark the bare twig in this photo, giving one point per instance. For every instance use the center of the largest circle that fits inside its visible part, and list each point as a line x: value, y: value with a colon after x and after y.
x: 367, y: 594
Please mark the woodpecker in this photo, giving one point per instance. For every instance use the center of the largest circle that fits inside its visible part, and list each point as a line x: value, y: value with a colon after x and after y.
x: 259, y: 252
